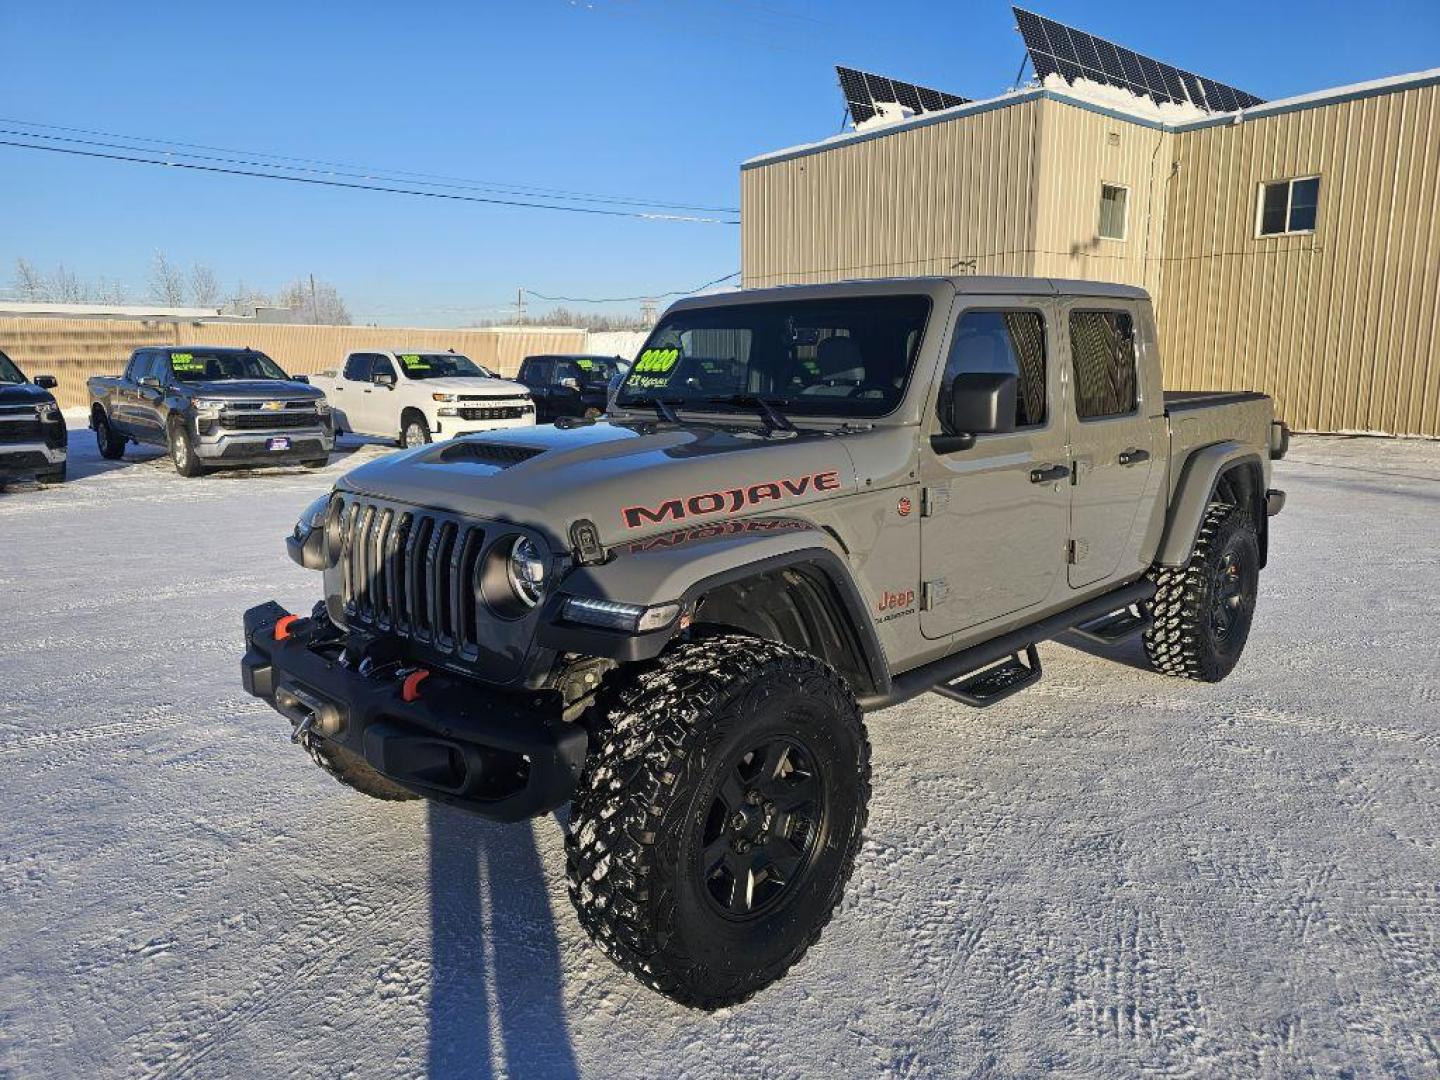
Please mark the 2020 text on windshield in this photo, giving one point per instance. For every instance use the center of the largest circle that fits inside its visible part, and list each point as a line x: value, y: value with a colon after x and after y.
x: 843, y: 357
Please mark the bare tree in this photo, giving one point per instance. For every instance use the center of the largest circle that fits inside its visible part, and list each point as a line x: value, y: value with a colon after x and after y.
x: 167, y: 283
x: 315, y: 302
x: 204, y: 288
x: 66, y: 288
x: 108, y: 291
x: 30, y: 283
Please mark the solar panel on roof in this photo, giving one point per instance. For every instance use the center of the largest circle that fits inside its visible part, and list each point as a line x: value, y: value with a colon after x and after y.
x: 1057, y: 49
x: 865, y: 91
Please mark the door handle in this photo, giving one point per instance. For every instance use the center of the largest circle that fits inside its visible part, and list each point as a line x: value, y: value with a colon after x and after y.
x: 1133, y: 457
x: 1048, y: 473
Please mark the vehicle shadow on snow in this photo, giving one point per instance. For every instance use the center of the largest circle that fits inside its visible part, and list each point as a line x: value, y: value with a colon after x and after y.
x: 1130, y: 652
x: 496, y: 1000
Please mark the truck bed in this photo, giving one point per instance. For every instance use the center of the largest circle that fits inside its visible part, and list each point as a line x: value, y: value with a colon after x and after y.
x: 1181, y: 400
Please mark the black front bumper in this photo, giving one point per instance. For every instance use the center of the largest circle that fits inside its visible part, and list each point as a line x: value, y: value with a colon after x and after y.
x: 458, y: 741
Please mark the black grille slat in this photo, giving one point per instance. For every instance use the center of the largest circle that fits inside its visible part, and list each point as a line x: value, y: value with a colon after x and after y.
x: 500, y: 412
x: 413, y: 574
x: 18, y: 431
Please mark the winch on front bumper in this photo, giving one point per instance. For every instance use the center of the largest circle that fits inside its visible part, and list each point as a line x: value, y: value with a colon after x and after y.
x: 443, y: 736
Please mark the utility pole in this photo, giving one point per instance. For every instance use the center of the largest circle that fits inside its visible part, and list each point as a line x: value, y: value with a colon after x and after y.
x: 314, y: 304
x: 647, y: 311
x: 520, y: 306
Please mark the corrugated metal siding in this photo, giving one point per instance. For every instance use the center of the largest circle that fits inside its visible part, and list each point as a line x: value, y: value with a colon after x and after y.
x: 945, y: 199
x: 74, y: 349
x: 1080, y: 151
x: 1341, y: 326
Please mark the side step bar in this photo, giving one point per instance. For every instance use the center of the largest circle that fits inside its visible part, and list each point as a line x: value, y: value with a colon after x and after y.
x: 948, y: 669
x: 994, y: 683
x: 1114, y: 628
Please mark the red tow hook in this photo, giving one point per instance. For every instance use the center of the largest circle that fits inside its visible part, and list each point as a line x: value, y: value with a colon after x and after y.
x: 282, y: 627
x: 410, y: 691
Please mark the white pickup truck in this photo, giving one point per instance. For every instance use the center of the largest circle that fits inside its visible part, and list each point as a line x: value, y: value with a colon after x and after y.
x: 418, y: 397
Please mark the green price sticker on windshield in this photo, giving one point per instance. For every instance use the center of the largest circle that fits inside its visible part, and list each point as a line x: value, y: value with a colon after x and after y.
x: 657, y: 360
x: 585, y: 365
x: 184, y: 361
x: 413, y: 362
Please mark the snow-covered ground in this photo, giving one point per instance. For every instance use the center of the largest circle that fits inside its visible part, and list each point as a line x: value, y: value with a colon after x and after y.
x: 1110, y: 874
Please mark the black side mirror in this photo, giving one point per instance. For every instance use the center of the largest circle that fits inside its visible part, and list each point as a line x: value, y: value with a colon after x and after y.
x: 46, y: 382
x: 383, y: 378
x: 300, y: 379
x: 978, y: 403
x: 150, y: 381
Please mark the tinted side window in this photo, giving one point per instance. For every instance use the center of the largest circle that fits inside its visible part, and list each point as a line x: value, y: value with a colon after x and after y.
x: 136, y: 368
x: 537, y: 372
x: 381, y: 365
x: 357, y: 367
x: 1004, y: 342
x: 1102, y: 349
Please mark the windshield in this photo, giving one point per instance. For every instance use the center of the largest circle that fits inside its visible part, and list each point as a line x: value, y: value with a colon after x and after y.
x: 219, y: 366
x: 593, y: 370
x: 441, y: 366
x: 847, y: 356
x: 8, y: 371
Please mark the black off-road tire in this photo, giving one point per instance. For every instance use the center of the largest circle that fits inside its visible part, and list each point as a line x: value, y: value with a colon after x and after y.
x: 670, y: 743
x: 110, y: 443
x: 182, y: 450
x: 1186, y: 639
x: 355, y: 772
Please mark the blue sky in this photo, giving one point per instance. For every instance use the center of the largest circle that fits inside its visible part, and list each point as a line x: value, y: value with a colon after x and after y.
x: 641, y: 98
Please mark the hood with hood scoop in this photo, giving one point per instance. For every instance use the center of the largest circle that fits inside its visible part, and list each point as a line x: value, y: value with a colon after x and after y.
x: 629, y: 478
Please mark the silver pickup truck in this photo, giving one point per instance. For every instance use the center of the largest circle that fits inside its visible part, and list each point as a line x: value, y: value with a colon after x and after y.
x: 809, y: 503
x: 210, y: 408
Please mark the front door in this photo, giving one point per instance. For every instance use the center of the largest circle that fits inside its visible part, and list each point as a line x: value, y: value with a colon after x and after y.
x: 1112, y: 439
x: 996, y: 517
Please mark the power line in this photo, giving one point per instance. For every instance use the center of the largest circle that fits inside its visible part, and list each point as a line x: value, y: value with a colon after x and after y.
x: 299, y: 164
x: 350, y: 185
x: 629, y: 299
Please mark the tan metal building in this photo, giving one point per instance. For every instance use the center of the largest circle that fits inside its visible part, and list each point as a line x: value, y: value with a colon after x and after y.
x: 1292, y: 248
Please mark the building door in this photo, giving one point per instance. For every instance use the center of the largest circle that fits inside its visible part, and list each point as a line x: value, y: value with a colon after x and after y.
x: 995, y: 518
x: 1112, y: 441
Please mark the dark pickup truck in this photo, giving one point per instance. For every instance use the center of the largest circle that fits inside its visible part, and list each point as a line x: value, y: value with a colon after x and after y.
x: 32, y: 431
x: 211, y: 407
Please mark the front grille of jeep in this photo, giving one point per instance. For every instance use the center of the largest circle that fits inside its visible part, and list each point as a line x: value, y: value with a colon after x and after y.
x: 412, y: 573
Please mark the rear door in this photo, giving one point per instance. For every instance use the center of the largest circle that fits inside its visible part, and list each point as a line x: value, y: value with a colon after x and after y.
x: 1113, y: 437
x: 995, y: 518
x: 350, y: 390
x: 535, y: 373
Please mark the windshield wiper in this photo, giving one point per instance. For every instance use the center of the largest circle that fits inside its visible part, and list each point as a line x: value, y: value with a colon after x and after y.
x: 664, y: 407
x: 765, y: 406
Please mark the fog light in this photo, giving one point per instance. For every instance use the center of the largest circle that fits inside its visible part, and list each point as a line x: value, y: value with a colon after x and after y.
x: 612, y: 615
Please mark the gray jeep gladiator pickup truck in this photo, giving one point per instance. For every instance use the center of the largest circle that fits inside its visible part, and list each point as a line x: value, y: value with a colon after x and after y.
x: 810, y: 503
x: 33, y: 440
x: 211, y: 407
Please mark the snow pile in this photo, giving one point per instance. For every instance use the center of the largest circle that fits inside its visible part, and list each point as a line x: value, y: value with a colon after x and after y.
x: 886, y: 113
x: 1122, y: 100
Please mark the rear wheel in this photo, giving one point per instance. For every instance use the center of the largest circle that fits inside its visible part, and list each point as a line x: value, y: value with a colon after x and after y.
x: 182, y: 450
x: 110, y: 442
x: 719, y: 816
x: 1202, y: 611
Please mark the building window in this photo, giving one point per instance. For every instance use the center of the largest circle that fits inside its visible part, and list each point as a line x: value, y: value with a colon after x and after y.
x: 1114, y: 207
x: 1289, y: 206
x: 1102, y: 350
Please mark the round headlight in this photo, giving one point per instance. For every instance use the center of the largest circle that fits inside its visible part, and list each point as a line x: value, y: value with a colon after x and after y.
x: 526, y: 569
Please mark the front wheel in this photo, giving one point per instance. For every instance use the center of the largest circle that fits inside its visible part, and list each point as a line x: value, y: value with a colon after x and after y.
x: 1201, y: 614
x: 182, y: 450
x: 719, y: 816
x: 415, y: 433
